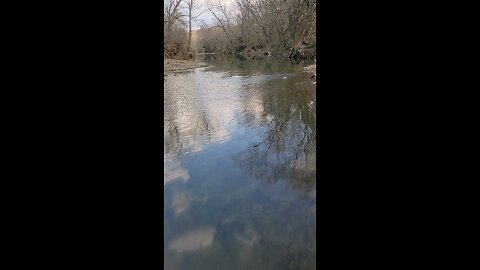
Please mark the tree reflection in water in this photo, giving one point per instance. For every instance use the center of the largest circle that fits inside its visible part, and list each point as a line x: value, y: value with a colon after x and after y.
x: 185, y: 120
x: 218, y: 214
x: 264, y: 65
x: 287, y: 150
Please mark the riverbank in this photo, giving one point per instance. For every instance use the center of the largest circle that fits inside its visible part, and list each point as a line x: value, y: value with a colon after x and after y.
x: 174, y: 64
x: 296, y: 54
x: 312, y: 69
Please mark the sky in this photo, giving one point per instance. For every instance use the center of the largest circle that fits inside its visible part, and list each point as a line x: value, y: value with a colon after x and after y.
x: 207, y: 17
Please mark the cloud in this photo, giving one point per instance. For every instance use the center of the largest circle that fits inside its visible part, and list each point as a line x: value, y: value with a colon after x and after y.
x: 180, y: 202
x: 173, y: 171
x: 193, y: 240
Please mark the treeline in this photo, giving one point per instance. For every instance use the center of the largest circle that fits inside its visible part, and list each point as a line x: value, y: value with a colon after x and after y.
x: 250, y: 28
x: 179, y: 15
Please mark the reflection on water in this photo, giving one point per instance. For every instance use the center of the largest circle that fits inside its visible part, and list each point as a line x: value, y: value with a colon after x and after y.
x: 249, y: 235
x: 239, y: 156
x: 180, y: 201
x: 174, y: 171
x: 238, y: 64
x: 193, y: 240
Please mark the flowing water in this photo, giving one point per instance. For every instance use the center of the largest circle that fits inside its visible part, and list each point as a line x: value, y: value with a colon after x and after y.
x: 240, y: 166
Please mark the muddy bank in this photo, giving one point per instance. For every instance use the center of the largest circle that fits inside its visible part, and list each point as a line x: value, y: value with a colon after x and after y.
x: 174, y: 64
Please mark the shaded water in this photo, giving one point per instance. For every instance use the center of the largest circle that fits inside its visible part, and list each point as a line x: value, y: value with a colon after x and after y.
x: 239, y: 156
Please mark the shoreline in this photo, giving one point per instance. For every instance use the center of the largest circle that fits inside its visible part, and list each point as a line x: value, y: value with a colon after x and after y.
x: 175, y: 65
x: 312, y: 69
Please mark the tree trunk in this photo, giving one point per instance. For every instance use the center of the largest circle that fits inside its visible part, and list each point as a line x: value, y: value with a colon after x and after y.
x: 189, y: 30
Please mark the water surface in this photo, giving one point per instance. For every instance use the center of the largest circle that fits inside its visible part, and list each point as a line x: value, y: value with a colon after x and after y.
x: 239, y: 156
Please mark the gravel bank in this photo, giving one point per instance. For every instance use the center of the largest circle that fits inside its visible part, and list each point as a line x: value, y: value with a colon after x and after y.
x: 173, y: 64
x: 312, y: 69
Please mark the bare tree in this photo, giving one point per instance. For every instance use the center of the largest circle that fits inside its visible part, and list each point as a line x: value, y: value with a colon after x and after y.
x: 219, y: 11
x: 172, y: 17
x: 171, y: 13
x: 280, y: 25
x: 192, y: 6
